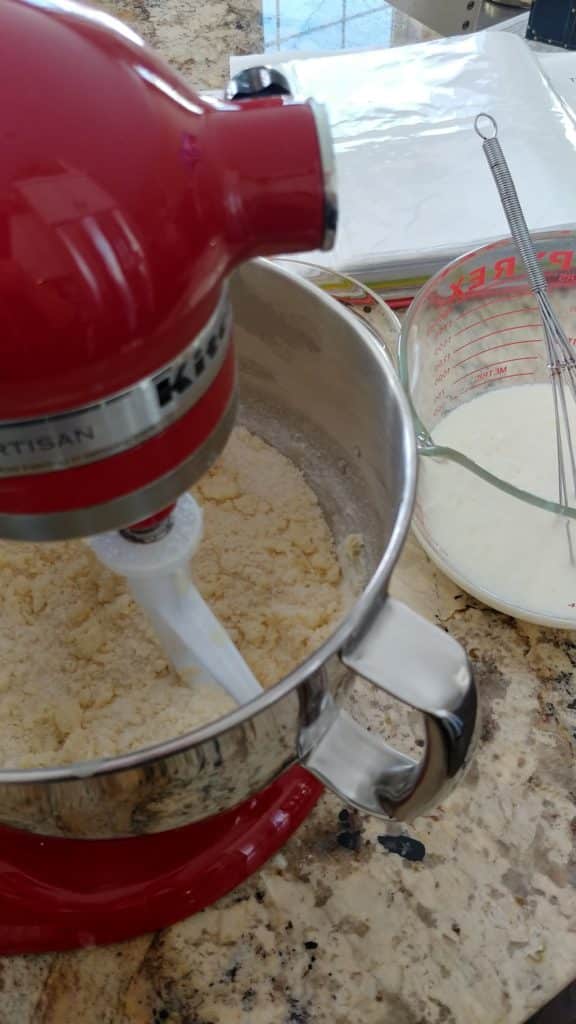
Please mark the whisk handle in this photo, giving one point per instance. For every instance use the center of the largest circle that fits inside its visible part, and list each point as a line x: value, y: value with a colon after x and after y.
x: 510, y: 202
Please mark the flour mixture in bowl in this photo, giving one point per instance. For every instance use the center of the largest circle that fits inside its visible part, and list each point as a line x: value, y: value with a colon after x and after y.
x: 82, y: 674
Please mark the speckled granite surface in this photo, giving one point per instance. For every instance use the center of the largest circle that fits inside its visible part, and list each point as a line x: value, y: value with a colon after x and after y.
x: 196, y: 36
x: 478, y: 928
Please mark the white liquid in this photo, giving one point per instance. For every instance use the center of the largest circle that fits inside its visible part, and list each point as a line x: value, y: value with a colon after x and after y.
x: 514, y: 552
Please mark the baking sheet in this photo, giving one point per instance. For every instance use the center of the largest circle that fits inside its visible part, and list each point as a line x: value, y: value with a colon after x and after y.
x: 413, y: 181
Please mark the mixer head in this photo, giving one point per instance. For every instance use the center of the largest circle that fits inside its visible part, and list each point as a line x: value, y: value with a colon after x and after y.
x: 125, y: 202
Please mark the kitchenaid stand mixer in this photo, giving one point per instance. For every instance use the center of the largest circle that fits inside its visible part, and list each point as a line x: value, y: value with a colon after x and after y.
x: 125, y: 203
x: 132, y: 398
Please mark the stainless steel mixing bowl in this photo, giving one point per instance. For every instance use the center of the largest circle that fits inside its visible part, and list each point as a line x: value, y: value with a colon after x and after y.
x: 316, y: 382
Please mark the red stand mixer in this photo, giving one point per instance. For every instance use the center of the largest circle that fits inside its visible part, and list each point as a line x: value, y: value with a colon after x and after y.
x: 125, y: 203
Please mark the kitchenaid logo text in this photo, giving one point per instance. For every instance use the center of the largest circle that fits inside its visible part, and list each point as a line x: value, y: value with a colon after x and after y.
x: 43, y: 443
x: 182, y: 376
x: 561, y: 261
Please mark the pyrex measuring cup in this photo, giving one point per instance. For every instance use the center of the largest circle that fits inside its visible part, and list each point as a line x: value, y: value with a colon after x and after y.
x: 473, y: 328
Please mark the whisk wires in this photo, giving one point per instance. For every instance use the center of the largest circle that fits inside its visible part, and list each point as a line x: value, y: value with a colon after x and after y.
x: 560, y: 356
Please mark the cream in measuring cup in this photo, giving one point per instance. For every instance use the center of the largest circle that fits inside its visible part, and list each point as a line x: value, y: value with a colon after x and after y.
x: 515, y: 552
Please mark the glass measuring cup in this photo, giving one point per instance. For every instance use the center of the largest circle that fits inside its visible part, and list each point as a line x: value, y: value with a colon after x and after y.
x: 474, y: 328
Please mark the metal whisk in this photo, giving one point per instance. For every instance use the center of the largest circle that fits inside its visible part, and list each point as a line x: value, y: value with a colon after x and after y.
x: 561, y: 361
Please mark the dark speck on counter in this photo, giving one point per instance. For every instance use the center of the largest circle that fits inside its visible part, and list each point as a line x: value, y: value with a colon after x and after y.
x: 298, y: 1013
x: 349, y: 840
x: 248, y: 999
x: 232, y: 972
x: 404, y: 846
x: 349, y: 833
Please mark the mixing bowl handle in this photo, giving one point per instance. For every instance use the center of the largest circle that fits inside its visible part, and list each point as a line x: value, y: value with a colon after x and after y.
x: 425, y: 668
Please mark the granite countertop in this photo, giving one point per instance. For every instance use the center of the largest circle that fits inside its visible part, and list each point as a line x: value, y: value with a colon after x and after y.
x: 468, y: 920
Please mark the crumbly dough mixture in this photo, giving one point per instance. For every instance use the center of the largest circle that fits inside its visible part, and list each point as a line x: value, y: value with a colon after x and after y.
x: 81, y: 672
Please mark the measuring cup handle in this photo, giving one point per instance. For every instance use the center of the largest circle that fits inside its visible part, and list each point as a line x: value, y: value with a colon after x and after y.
x: 425, y: 668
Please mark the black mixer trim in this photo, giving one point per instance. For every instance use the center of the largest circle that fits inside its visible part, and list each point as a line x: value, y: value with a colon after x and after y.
x: 124, y: 420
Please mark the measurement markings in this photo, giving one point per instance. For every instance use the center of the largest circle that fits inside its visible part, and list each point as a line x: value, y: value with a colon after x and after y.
x: 494, y: 334
x: 446, y: 314
x: 490, y: 366
x: 507, y: 376
x: 496, y: 316
x: 495, y: 348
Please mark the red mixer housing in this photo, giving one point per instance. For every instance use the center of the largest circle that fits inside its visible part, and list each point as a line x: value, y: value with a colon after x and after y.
x: 125, y: 202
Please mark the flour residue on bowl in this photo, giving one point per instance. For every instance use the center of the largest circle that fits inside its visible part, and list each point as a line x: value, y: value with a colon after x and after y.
x: 81, y: 673
x: 515, y: 552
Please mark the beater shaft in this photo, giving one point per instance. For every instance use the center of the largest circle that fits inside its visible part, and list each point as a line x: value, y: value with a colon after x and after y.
x: 158, y: 575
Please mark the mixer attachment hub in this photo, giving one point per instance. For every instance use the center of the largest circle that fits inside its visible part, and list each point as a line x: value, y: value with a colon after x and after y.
x: 150, y: 530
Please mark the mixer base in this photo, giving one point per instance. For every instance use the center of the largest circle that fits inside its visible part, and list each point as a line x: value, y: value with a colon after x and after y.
x: 60, y: 894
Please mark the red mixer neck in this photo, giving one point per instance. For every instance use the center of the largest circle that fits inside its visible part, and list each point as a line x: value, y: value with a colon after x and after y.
x: 279, y: 183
